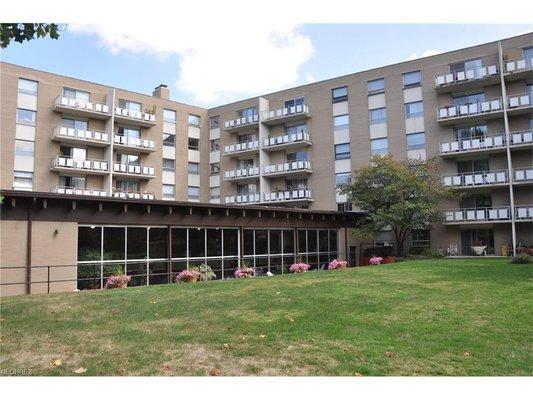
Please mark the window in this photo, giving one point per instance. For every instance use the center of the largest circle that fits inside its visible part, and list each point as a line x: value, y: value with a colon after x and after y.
x: 130, y: 134
x: 294, y: 102
x: 466, y: 65
x: 344, y: 207
x: 247, y: 112
x: 247, y: 163
x: 468, y: 99
x: 244, y: 189
x: 528, y: 56
x: 168, y: 191
x: 341, y: 121
x: 246, y: 138
x: 343, y: 179
x: 131, y: 105
x: 22, y: 180
x: 378, y: 116
x: 132, y: 159
x: 214, y: 122
x: 214, y: 193
x: 470, y: 166
x: 24, y: 148
x: 342, y: 151
x: 214, y: 144
x: 169, y: 115
x: 194, y: 120
x: 76, y: 94
x: 297, y: 156
x: 193, y: 168
x: 77, y: 124
x: 339, y: 94
x: 72, y: 181
x: 130, y: 186
x: 194, y: 144
x: 412, y: 78
x: 193, y: 192
x: 376, y: 86
x: 415, y: 109
x: 296, y: 184
x: 215, y: 168
x: 420, y: 238
x: 26, y: 117
x: 416, y: 141
x: 379, y: 146
x: 289, y: 130
x: 28, y: 87
x: 169, y: 164
x: 73, y: 152
x: 472, y: 132
x: 169, y: 139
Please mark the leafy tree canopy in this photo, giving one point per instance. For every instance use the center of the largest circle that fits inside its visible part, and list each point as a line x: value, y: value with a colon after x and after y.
x: 20, y: 32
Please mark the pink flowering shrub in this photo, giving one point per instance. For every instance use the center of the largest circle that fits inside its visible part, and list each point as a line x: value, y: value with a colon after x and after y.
x: 337, y: 264
x: 117, y: 282
x: 188, y: 275
x: 244, y: 272
x: 299, y: 267
x: 376, y: 260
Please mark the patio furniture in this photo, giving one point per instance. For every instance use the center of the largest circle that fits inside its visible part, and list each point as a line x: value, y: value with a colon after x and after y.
x: 452, y: 250
x: 479, y: 250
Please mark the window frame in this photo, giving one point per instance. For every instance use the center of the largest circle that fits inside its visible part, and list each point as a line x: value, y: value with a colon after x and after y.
x: 342, y: 155
x: 414, y: 84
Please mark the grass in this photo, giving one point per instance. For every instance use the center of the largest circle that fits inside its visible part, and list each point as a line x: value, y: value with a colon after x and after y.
x: 424, y: 317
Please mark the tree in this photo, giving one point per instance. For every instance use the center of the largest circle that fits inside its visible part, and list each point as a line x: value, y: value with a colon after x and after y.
x: 20, y: 32
x: 402, y: 195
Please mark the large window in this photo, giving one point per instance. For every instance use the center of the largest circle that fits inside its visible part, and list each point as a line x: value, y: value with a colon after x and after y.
x: 26, y: 117
x: 128, y: 185
x: 247, y: 112
x: 378, y: 116
x: 193, y: 168
x: 415, y: 109
x: 214, y: 168
x: 472, y: 132
x: 294, y: 102
x: 169, y: 115
x: 194, y: 144
x: 214, y: 122
x: 214, y: 144
x: 376, y: 86
x: 130, y: 105
x: 379, y: 146
x: 28, y: 87
x: 341, y: 121
x: 468, y: 99
x: 339, y: 94
x: 169, y: 139
x: 24, y: 148
x: 412, y: 78
x: 214, y: 193
x: 193, y: 192
x: 528, y: 56
x: 343, y: 179
x: 129, y: 134
x: 76, y: 94
x: 318, y: 247
x: 194, y: 120
x: 22, y: 180
x: 169, y: 164
x: 416, y: 141
x: 72, y: 181
x: 300, y: 155
x: 342, y: 151
x: 169, y: 191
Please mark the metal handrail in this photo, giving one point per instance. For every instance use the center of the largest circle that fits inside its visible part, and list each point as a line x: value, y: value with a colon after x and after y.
x: 243, y: 121
x: 143, y: 169
x: 81, y: 134
x: 475, y: 143
x: 485, y: 176
x: 466, y: 75
x: 286, y: 138
x: 286, y: 111
x: 287, y: 166
x: 130, y: 142
x: 524, y: 99
x: 518, y: 65
x: 79, y: 191
x: 92, y: 106
x: 134, y: 114
x: 251, y: 145
x: 485, y: 106
x: 80, y: 163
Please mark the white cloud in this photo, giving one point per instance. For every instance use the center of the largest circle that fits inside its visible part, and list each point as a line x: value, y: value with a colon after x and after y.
x: 220, y: 59
x: 425, y: 53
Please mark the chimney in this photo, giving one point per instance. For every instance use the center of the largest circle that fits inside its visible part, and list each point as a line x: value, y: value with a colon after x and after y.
x: 161, y: 92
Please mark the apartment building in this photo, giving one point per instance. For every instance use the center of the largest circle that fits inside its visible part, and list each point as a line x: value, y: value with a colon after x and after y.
x: 471, y: 109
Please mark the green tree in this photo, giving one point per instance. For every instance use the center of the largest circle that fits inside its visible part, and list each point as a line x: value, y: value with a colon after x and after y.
x: 402, y: 195
x: 20, y: 32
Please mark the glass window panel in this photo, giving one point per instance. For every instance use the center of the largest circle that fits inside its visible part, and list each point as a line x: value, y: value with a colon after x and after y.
x: 416, y: 141
x: 179, y: 242
x: 23, y: 148
x: 158, y: 273
x: 194, y: 120
x: 89, y: 276
x: 275, y: 241
x: 22, y: 180
x: 27, y: 117
x: 378, y: 116
x: 377, y: 85
x: 158, y: 240
x: 114, y: 243
x: 288, y: 241
x: 193, y: 192
x: 333, y: 240
x: 341, y: 121
x: 248, y: 241
x: 27, y: 86
x: 415, y: 109
x: 169, y: 115
x: 194, y: 144
x: 412, y: 78
x: 169, y: 164
x: 168, y: 191
x: 138, y: 273
x: 261, y: 241
x: 214, y: 122
x: 302, y: 241
x: 214, y: 242
x: 231, y: 237
x: 343, y: 179
x: 137, y: 239
x: 193, y: 168
x: 89, y: 243
x: 340, y: 92
x: 311, y: 241
x: 379, y: 146
x: 196, y: 242
x: 323, y: 240
x: 168, y: 139
x: 342, y: 151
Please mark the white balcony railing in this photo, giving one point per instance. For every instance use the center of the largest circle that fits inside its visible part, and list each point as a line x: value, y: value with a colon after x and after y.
x: 287, y: 167
x: 466, y: 110
x: 482, y: 178
x: 521, y: 175
x: 287, y: 139
x: 466, y: 75
x: 285, y: 112
x: 524, y: 212
x: 522, y: 100
x: 520, y: 138
x: 518, y: 66
x: 238, y: 147
x: 135, y: 114
x: 241, y: 173
x: 243, y: 198
x: 134, y: 142
x: 244, y: 121
x: 288, y: 195
x: 80, y: 163
x: 132, y: 195
x: 488, y: 142
x: 81, y: 134
x: 79, y: 191
x: 136, y: 169
x: 89, y: 106
x: 478, y: 214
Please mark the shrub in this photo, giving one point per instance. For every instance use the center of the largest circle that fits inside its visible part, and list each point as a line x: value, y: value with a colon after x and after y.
x: 426, y: 253
x: 376, y: 260
x: 205, y: 272
x: 522, y: 258
x: 337, y: 264
x: 187, y: 275
x: 299, y: 267
x: 244, y: 272
x: 117, y: 281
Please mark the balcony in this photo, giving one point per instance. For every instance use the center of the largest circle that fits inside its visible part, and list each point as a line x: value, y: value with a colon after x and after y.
x: 285, y: 196
x: 243, y: 199
x: 79, y: 191
x: 518, y: 69
x: 476, y: 179
x: 521, y: 139
x: 520, y: 104
x: 133, y: 170
x: 467, y: 79
x: 66, y: 134
x: 491, y: 143
x: 286, y: 115
x: 79, y: 165
x: 524, y: 213
x: 243, y: 173
x: 477, y: 215
x: 132, y: 195
x: 288, y: 168
x: 137, y: 118
x: 137, y: 145
x: 241, y: 149
x: 469, y: 113
x: 240, y: 124
x: 522, y: 176
x: 79, y: 107
x: 286, y: 141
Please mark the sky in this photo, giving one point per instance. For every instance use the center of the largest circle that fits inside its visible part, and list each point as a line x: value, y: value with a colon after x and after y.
x: 269, y: 57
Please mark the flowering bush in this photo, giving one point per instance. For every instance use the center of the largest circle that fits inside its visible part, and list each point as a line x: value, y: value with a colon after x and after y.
x: 244, y: 272
x: 337, y: 264
x: 376, y: 260
x: 299, y: 267
x: 117, y: 282
x: 187, y: 276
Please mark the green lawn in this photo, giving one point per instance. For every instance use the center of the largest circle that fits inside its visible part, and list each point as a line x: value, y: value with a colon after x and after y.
x: 426, y: 317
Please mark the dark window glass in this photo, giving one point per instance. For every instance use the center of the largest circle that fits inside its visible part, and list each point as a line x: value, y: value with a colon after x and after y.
x: 311, y: 241
x: 339, y: 94
x: 323, y: 241
x: 214, y: 242
x: 261, y: 241
x: 158, y: 242
x: 248, y: 241
x: 179, y: 242
x: 231, y: 242
x: 275, y: 241
x: 332, y: 240
x: 412, y: 78
x: 89, y: 243
x: 288, y: 241
x: 138, y: 274
x: 158, y: 272
x: 169, y: 139
x: 136, y: 243
x: 196, y: 242
x: 302, y: 241
x: 114, y: 243
x: 342, y: 151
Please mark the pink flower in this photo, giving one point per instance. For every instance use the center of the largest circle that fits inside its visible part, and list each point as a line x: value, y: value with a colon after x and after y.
x: 337, y: 264
x: 117, y: 281
x: 299, y: 267
x: 187, y: 274
x: 244, y: 272
x: 376, y: 260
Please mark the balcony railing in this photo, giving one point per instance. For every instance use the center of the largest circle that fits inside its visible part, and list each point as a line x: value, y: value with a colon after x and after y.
x: 79, y: 191
x: 241, y: 122
x: 521, y: 138
x: 133, y: 195
x: 524, y: 212
x: 285, y: 140
x: 133, y: 169
x: 522, y: 100
x: 465, y: 75
x: 282, y: 114
x: 144, y: 144
x: 288, y: 195
x: 483, y: 143
x: 482, y: 178
x: 522, y: 175
x: 140, y: 116
x: 241, y: 147
x: 243, y: 198
x: 241, y: 173
x: 71, y: 134
x: 518, y: 66
x: 488, y: 214
x: 84, y: 106
x: 81, y: 164
x: 466, y: 110
x: 287, y: 167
